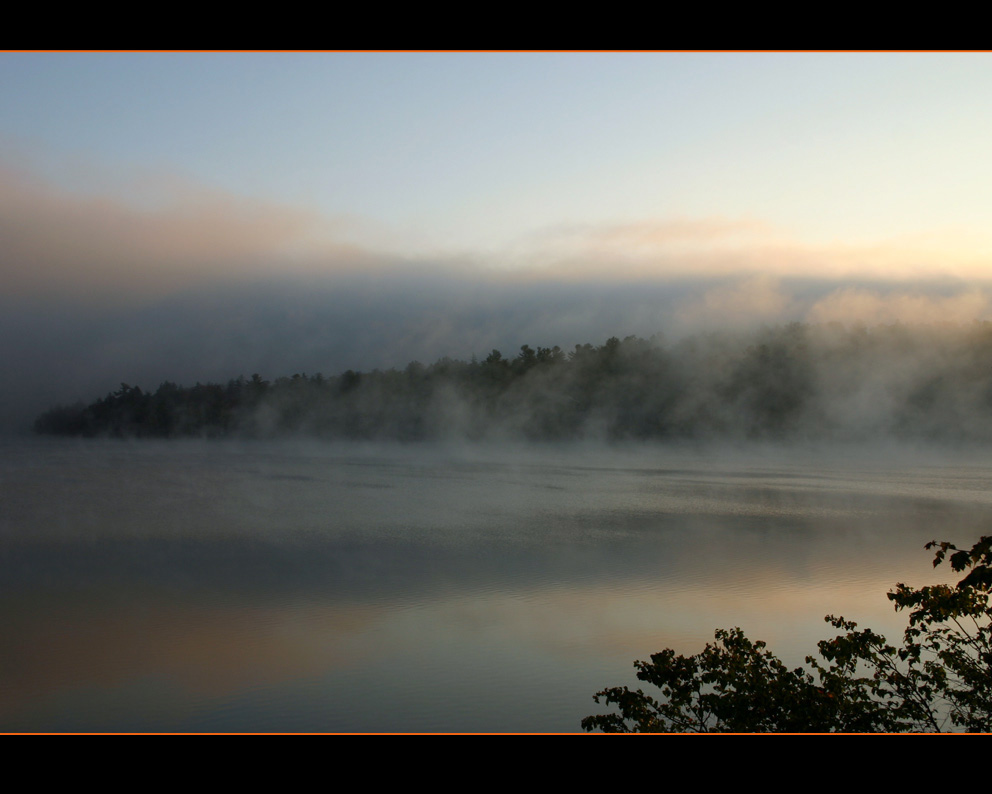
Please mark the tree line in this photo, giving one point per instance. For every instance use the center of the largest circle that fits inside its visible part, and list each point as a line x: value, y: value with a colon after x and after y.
x: 795, y: 381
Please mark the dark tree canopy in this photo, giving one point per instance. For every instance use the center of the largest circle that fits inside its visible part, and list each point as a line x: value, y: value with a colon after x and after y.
x: 792, y: 382
x: 939, y: 679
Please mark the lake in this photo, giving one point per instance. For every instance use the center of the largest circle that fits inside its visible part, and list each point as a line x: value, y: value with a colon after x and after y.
x: 299, y: 586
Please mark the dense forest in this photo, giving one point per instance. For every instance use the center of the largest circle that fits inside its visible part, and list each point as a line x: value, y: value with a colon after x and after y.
x: 797, y: 381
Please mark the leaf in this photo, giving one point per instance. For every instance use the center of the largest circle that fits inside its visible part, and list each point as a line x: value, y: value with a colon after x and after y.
x: 940, y: 677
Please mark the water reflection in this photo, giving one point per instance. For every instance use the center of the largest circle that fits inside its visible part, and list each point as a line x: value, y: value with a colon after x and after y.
x: 268, y: 587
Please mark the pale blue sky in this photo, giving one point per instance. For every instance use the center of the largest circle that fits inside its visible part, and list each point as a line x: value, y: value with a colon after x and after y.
x: 470, y: 150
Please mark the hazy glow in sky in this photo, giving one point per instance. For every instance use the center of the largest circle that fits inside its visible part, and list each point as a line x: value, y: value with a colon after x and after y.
x: 477, y: 152
x: 447, y: 203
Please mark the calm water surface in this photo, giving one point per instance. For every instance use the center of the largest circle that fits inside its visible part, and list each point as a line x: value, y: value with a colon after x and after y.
x: 204, y: 586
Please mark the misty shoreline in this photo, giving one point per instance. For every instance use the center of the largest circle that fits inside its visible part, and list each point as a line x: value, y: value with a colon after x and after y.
x: 795, y: 383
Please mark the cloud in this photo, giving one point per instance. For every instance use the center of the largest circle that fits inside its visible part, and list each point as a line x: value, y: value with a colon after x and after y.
x: 164, y: 235
x: 755, y: 299
x: 181, y: 282
x: 60, y: 243
x: 765, y: 299
x: 718, y: 247
x: 648, y: 249
x: 854, y: 304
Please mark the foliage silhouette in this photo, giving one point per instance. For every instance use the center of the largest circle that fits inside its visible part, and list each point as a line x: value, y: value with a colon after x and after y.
x: 939, y: 679
x: 795, y: 382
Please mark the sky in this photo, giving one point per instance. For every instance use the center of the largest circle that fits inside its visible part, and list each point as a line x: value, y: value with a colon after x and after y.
x: 197, y: 216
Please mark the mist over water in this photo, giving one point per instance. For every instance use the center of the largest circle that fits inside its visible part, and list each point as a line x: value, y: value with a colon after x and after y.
x: 59, y: 352
x: 274, y: 585
x: 478, y: 545
x: 436, y: 413
x: 795, y: 383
